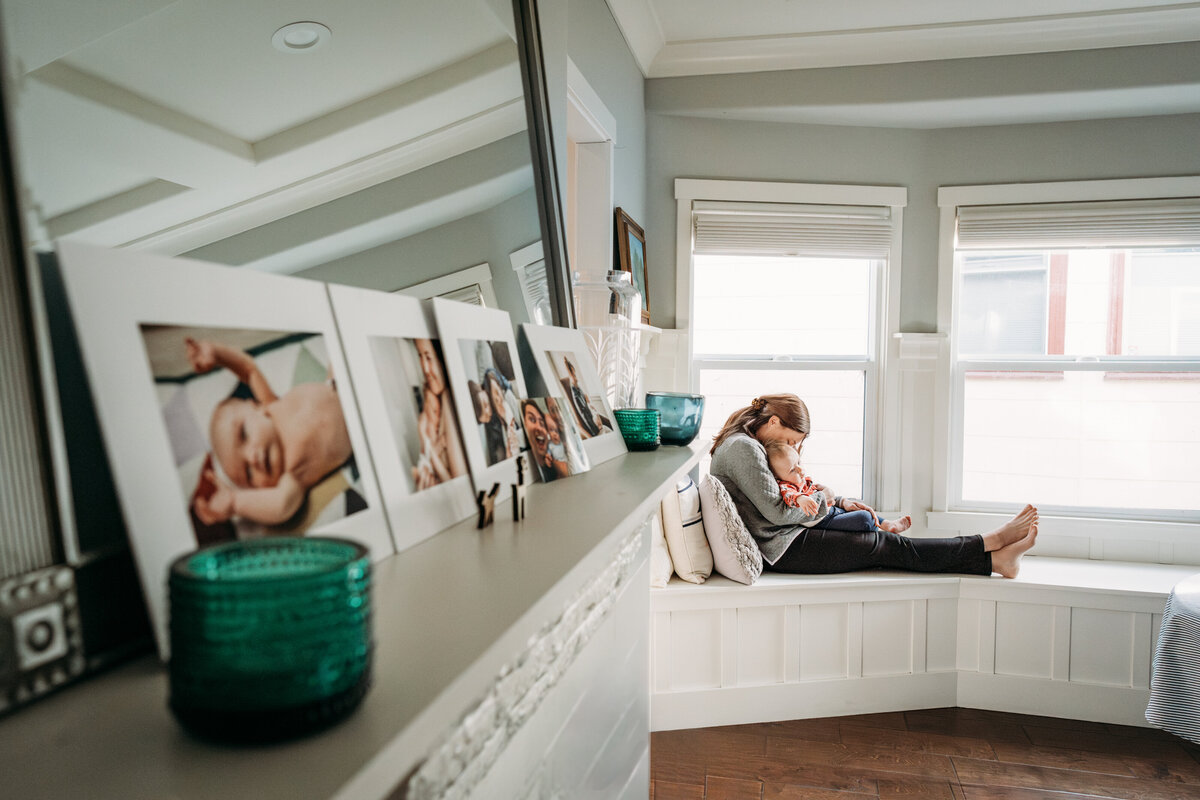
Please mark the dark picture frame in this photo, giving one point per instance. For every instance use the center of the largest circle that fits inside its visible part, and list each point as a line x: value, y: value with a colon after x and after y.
x: 631, y: 257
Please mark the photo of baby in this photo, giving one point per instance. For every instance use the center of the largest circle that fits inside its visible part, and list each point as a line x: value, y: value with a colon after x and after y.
x: 554, y: 442
x: 585, y: 402
x: 256, y: 428
x: 490, y: 383
x: 412, y: 375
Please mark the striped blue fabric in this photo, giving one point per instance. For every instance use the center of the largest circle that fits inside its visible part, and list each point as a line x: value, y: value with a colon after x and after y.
x: 1175, y: 674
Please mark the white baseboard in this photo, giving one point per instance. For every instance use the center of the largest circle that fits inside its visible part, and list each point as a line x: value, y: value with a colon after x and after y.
x: 834, y: 698
x: 1117, y: 705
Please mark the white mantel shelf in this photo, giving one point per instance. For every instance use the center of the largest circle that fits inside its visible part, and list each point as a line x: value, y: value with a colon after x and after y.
x: 449, y: 613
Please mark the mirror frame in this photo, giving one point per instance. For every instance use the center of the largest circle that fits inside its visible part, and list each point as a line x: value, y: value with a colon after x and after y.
x: 545, y: 168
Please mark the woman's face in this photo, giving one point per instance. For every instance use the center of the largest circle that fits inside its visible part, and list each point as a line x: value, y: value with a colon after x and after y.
x: 497, y: 394
x: 774, y: 429
x: 431, y: 366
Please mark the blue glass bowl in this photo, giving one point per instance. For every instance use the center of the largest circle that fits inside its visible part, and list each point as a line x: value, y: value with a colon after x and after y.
x: 681, y: 415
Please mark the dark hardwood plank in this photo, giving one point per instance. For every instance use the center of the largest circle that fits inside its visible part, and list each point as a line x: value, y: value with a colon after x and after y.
x: 971, y: 792
x: 898, y: 787
x: 1061, y: 758
x: 1103, y: 743
x: 863, y: 757
x: 664, y: 790
x: 719, y: 788
x: 789, y: 791
x: 856, y: 734
x: 996, y: 773
x: 951, y: 722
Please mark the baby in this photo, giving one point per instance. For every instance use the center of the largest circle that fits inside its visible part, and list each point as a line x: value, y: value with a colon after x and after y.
x: 431, y: 464
x: 272, y: 449
x: 802, y: 492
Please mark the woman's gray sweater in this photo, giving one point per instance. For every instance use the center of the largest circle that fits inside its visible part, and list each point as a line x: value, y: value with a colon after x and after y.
x: 740, y: 463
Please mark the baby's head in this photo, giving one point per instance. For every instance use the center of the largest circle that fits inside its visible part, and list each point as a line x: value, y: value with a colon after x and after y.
x: 246, y: 443
x: 783, y: 460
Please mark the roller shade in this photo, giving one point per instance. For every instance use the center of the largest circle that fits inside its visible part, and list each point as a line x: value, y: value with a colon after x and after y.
x: 782, y: 229
x: 1130, y: 223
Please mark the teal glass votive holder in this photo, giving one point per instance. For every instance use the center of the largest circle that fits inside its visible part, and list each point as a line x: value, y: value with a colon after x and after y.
x: 681, y: 415
x: 639, y: 427
x: 270, y: 638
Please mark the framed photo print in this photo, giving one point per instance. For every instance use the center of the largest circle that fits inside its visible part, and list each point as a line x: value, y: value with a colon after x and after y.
x: 567, y: 371
x: 555, y: 446
x: 225, y: 406
x: 631, y: 256
x: 488, y: 386
x: 398, y: 368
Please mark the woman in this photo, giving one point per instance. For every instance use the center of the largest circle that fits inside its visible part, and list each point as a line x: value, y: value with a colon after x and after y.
x: 538, y: 434
x: 441, y: 455
x: 739, y: 461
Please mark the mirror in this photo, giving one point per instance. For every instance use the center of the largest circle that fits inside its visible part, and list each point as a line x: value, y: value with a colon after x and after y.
x: 377, y: 143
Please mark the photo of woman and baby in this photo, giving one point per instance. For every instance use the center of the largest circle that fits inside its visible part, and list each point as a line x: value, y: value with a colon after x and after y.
x: 257, y: 430
x: 490, y: 376
x: 412, y: 375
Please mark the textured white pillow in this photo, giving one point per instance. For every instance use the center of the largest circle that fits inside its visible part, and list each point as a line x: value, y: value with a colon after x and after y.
x: 735, y: 553
x: 683, y: 525
x: 661, y: 567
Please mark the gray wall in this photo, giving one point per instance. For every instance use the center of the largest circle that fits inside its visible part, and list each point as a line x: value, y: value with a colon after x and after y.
x: 596, y: 45
x: 685, y: 146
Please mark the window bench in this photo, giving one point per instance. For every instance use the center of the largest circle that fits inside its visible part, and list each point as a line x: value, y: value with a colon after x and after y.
x: 1068, y: 638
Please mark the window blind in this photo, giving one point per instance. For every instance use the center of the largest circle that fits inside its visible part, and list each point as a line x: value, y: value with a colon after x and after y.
x: 1130, y: 223
x: 785, y: 229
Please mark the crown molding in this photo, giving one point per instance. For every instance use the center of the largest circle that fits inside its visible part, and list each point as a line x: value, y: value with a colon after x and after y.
x: 968, y: 39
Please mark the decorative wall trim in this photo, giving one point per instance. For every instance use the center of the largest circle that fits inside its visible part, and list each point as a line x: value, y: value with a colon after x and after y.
x: 464, y: 753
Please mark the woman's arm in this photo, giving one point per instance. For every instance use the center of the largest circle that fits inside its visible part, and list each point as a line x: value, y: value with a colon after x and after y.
x: 742, y: 461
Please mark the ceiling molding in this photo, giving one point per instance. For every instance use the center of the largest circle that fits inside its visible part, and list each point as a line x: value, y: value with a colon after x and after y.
x: 965, y: 39
x: 641, y: 28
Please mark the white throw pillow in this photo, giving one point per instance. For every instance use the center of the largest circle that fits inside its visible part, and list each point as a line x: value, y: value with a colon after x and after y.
x: 735, y: 553
x: 661, y: 567
x: 683, y: 525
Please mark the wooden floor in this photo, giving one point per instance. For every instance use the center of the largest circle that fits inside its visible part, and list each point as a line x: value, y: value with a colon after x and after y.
x: 936, y: 753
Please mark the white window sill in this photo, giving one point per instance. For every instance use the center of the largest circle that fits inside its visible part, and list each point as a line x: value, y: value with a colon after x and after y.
x: 1088, y: 538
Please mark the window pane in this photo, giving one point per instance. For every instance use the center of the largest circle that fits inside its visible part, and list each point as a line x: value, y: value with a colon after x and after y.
x: 1136, y: 302
x: 1090, y: 439
x: 766, y: 305
x: 1004, y: 304
x: 1161, y: 304
x: 833, y: 452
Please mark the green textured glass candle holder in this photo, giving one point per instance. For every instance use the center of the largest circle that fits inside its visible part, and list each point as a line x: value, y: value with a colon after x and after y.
x: 639, y: 427
x: 271, y: 638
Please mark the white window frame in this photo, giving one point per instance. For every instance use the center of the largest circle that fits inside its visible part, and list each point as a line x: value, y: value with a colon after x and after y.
x: 881, y: 395
x: 1077, y: 535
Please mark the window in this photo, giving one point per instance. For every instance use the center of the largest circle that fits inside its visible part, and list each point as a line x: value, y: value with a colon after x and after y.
x: 792, y: 297
x: 1074, y: 376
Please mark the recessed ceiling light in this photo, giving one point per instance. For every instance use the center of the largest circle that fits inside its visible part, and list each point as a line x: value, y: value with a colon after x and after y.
x: 300, y: 37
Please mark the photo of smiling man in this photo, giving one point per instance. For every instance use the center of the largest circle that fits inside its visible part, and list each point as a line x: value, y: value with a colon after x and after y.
x: 554, y: 442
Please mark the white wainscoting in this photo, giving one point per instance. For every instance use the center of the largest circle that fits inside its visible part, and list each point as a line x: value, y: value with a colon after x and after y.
x: 1068, y: 639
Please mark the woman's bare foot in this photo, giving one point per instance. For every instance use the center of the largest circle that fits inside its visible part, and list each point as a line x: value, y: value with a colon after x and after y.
x: 1007, y: 560
x: 1012, y: 531
x: 896, y: 525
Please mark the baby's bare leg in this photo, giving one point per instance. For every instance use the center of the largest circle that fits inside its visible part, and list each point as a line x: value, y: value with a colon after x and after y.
x: 1014, y: 530
x: 896, y: 525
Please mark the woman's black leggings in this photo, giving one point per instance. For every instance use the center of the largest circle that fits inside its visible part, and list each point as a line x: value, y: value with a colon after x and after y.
x: 827, y: 551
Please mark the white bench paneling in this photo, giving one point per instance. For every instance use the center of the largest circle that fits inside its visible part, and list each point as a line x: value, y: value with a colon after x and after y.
x: 1065, y: 639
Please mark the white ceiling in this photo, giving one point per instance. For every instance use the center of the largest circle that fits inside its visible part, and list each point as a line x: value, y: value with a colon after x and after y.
x: 172, y: 124
x: 674, y: 38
